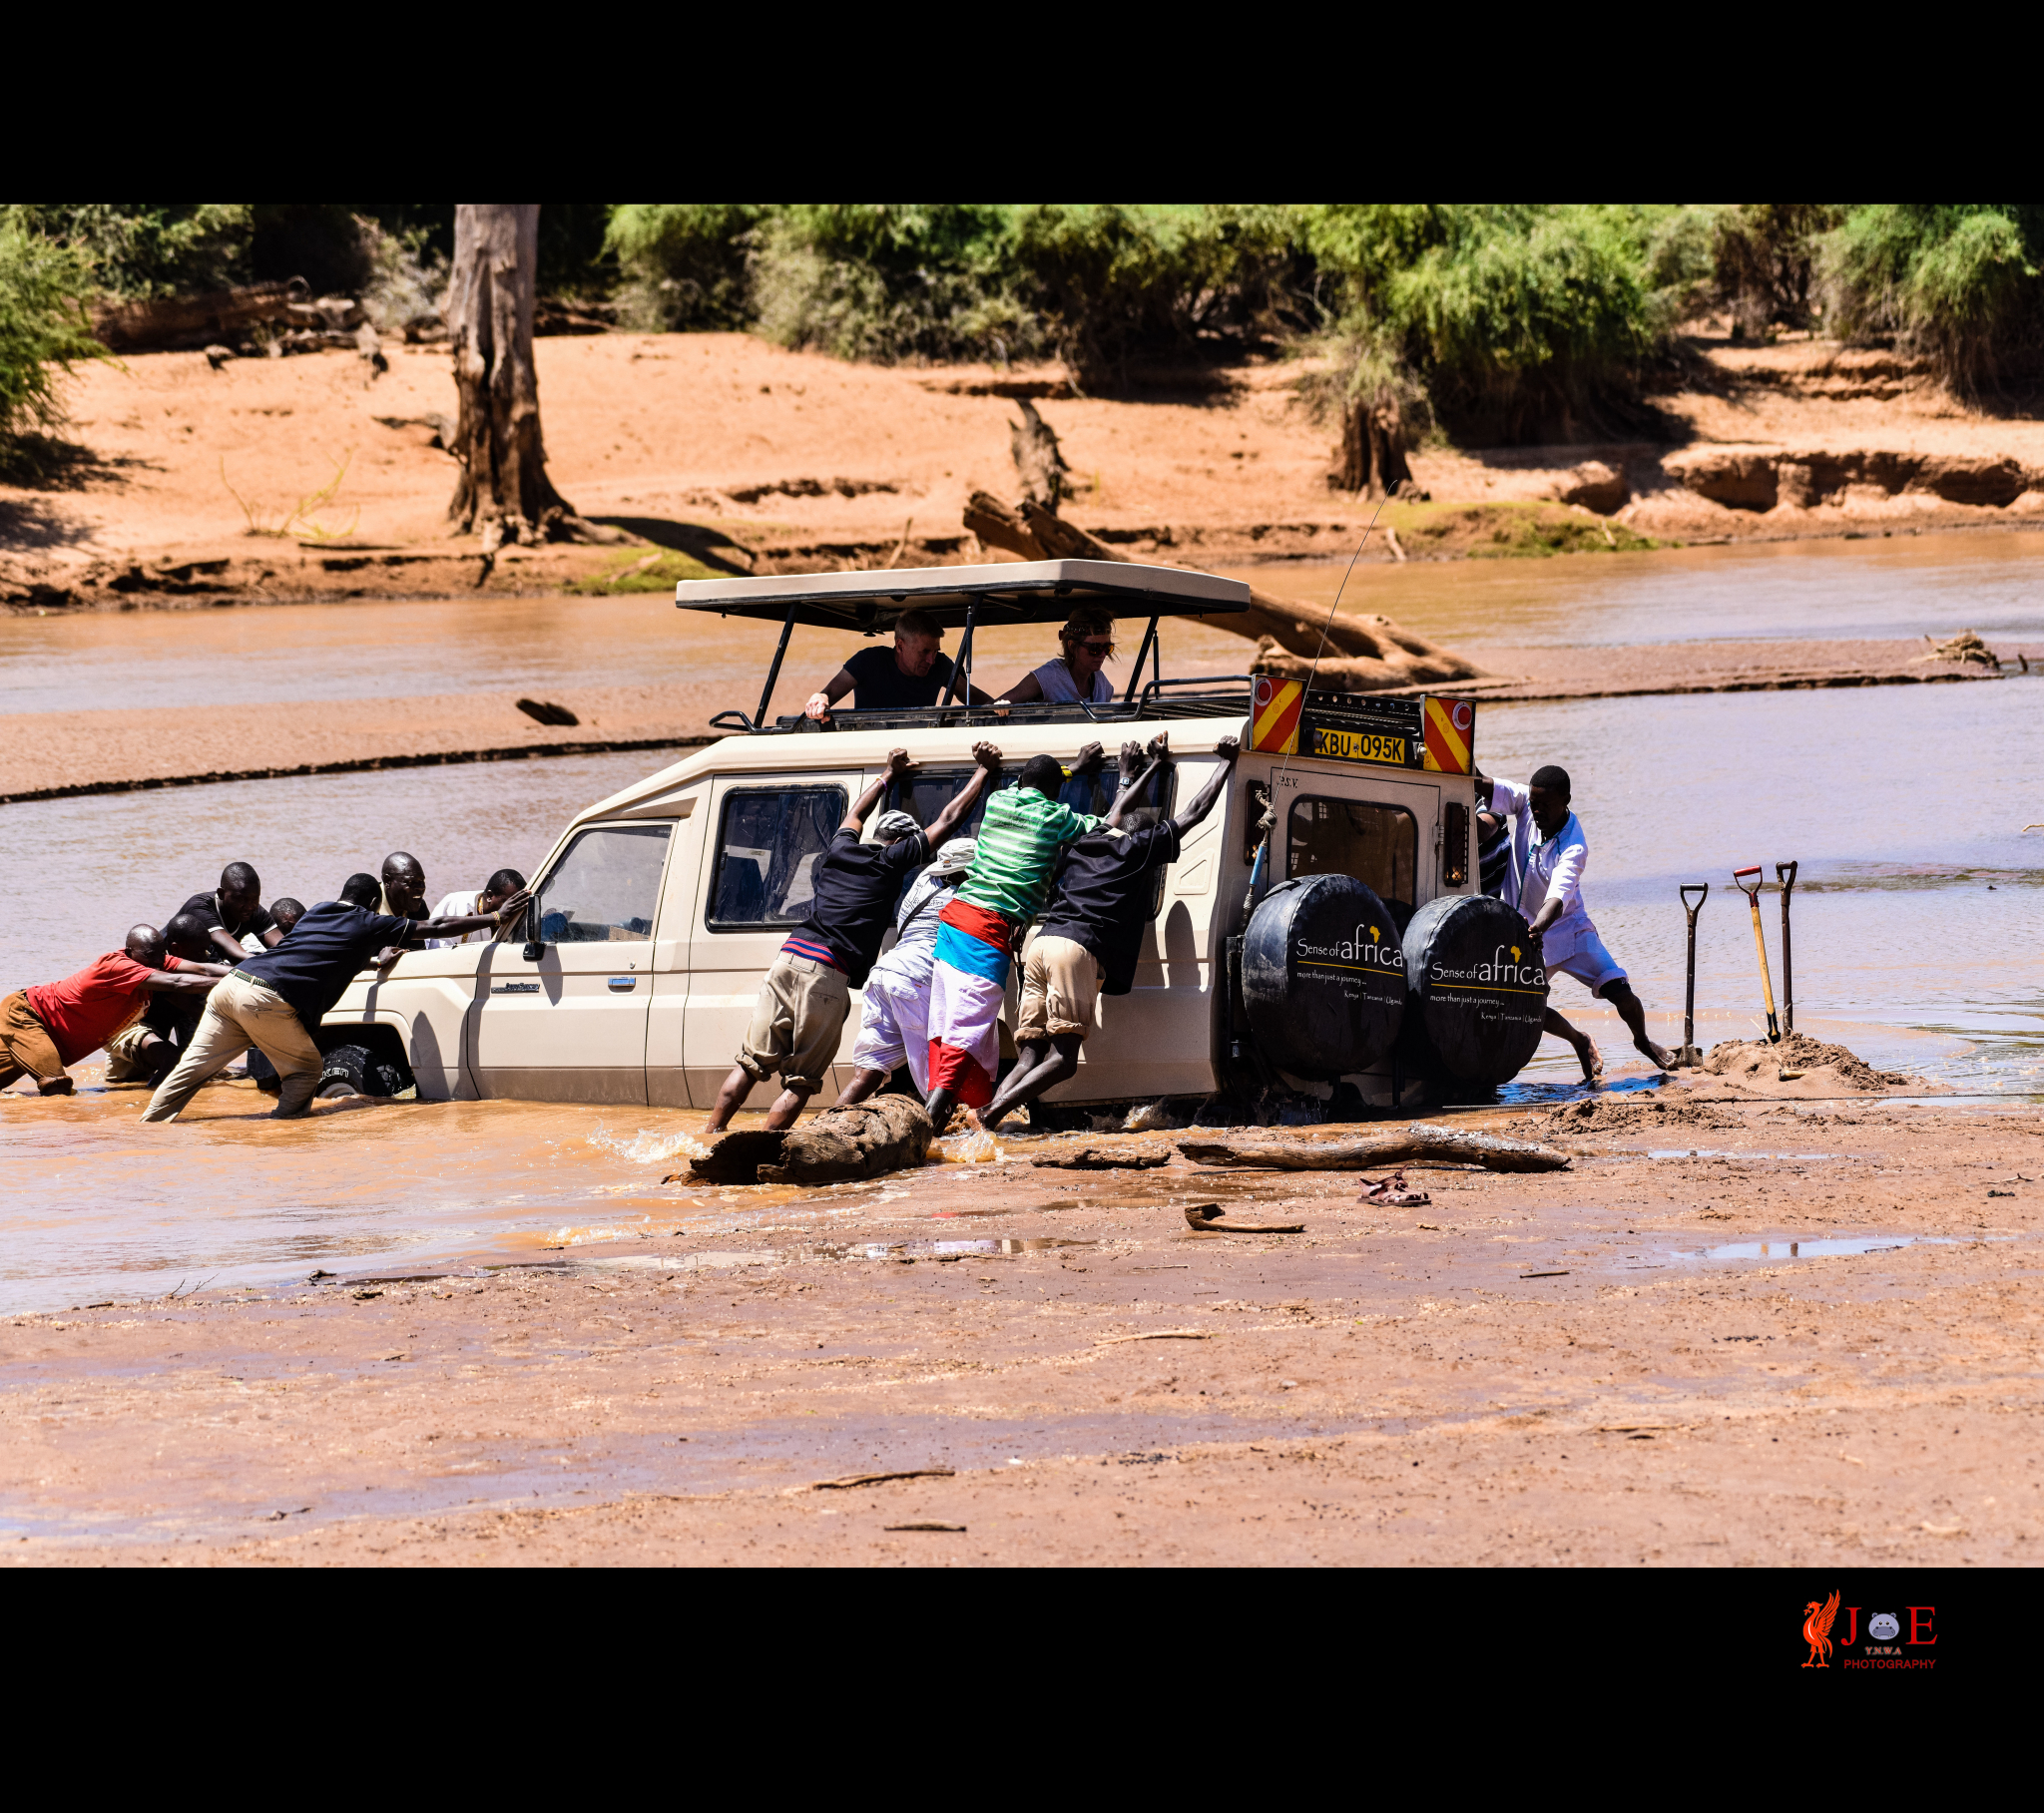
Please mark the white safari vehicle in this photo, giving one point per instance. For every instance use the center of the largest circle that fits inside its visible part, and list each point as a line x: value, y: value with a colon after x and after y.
x: 1329, y: 949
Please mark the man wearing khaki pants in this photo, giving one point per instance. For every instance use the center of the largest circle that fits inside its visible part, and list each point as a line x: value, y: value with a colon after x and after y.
x: 275, y: 999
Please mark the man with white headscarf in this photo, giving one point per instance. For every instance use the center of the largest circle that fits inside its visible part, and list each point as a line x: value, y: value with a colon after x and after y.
x: 894, y: 1027
x: 799, y: 1017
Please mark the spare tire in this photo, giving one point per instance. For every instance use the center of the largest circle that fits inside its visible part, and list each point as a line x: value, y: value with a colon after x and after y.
x: 355, y: 1070
x: 1477, y: 988
x: 1323, y: 976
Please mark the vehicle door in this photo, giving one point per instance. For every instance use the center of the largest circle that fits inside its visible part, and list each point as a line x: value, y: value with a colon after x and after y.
x: 1369, y: 822
x: 562, y: 1016
x: 756, y: 883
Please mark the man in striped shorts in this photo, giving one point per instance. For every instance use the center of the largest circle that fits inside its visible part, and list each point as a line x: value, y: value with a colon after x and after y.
x: 1024, y: 832
x: 799, y: 1017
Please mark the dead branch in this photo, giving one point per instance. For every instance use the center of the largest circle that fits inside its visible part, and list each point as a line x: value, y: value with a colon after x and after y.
x: 1419, y: 1141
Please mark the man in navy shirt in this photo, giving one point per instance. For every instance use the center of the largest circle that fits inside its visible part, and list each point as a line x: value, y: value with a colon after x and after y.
x: 276, y: 998
x: 912, y: 674
x: 1090, y: 933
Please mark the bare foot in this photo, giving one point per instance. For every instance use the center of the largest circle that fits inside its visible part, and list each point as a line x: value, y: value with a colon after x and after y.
x: 1592, y: 1061
x: 972, y: 1120
x: 1662, y: 1057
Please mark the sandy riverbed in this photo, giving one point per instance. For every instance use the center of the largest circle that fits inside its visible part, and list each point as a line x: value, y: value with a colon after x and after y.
x: 1657, y: 1356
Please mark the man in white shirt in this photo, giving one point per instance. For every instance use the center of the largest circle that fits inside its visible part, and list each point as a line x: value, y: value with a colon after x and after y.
x: 498, y: 889
x: 1544, y: 880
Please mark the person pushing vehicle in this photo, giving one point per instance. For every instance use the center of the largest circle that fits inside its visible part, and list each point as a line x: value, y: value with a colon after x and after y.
x: 1544, y: 880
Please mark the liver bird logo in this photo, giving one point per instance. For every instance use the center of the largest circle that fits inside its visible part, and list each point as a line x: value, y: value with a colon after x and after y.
x: 1816, y: 1631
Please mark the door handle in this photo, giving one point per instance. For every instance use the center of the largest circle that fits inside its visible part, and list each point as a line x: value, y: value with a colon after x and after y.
x: 622, y: 985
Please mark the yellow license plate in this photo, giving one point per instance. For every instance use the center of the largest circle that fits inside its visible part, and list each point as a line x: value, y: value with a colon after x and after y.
x: 1360, y: 745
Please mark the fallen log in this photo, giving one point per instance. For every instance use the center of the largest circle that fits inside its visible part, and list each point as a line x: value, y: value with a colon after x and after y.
x: 194, y: 320
x: 889, y: 1133
x: 1095, y: 1157
x: 1419, y: 1141
x: 1370, y: 651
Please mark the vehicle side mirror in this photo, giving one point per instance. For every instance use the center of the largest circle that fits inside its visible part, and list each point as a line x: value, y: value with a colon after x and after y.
x: 533, y: 944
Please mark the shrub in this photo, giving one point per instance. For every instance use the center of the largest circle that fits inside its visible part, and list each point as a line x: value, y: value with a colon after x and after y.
x: 140, y: 250
x: 685, y: 263
x: 1957, y: 282
x: 44, y: 289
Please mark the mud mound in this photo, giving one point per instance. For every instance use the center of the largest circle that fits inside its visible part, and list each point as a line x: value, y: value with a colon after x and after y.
x: 1753, y: 1065
x: 1596, y: 1115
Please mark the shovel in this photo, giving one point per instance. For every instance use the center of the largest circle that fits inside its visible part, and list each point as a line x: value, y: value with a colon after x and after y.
x: 1689, y: 1057
x: 1785, y: 873
x: 1759, y: 943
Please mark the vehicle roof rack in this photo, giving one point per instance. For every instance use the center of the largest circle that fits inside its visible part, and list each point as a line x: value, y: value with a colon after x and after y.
x: 1025, y: 592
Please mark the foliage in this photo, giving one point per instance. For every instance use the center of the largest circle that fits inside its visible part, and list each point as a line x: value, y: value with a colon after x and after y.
x: 1523, y: 322
x: 407, y: 275
x: 45, y: 286
x: 1958, y: 281
x: 1514, y: 530
x: 140, y: 249
x: 684, y: 264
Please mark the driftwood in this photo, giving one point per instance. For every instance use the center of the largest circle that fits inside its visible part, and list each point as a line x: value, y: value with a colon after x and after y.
x: 170, y: 321
x: 1206, y: 1219
x: 1419, y: 1141
x: 888, y: 1133
x: 1096, y: 1158
x: 1370, y: 652
x: 1039, y: 463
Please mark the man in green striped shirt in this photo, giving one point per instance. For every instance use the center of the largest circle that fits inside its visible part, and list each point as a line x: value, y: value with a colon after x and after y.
x: 1025, y: 830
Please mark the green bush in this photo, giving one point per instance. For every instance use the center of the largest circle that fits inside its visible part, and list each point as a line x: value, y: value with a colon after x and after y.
x: 684, y: 264
x: 1521, y: 322
x: 1958, y: 281
x: 45, y: 287
x: 140, y: 250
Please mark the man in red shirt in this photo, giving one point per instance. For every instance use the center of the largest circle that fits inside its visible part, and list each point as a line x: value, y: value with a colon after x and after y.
x: 44, y: 1029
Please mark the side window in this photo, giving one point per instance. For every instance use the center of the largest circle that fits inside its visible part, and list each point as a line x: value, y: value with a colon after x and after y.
x: 1377, y: 844
x: 767, y: 848
x: 606, y: 888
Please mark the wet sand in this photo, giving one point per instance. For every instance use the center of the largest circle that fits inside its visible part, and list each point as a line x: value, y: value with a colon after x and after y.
x: 1646, y: 1359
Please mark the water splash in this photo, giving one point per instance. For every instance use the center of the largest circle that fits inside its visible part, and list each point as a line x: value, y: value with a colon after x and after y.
x: 974, y: 1147
x: 645, y: 1147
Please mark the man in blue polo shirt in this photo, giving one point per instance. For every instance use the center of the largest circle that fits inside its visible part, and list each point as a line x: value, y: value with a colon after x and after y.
x: 275, y: 999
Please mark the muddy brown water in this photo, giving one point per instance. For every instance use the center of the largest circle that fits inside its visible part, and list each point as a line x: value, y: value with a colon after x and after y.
x: 1918, y: 919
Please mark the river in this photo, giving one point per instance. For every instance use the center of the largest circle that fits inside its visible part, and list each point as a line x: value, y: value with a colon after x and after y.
x: 1918, y: 915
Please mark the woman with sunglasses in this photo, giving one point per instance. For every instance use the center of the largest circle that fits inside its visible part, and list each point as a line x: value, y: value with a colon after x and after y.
x: 1075, y: 675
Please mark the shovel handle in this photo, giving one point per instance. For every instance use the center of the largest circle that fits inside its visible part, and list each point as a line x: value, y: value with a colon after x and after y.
x: 1702, y: 891
x: 1785, y: 873
x: 1758, y: 880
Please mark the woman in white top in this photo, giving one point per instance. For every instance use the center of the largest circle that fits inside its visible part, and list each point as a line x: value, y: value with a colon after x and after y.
x: 1075, y: 676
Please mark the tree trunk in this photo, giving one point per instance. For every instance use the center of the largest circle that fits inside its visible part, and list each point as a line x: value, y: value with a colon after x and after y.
x: 503, y: 484
x: 888, y: 1133
x: 1373, y: 457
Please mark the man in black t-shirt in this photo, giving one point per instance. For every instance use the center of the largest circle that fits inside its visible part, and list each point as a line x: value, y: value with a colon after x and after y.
x: 912, y: 674
x: 799, y: 1013
x: 275, y: 1000
x: 1090, y: 933
x: 234, y: 913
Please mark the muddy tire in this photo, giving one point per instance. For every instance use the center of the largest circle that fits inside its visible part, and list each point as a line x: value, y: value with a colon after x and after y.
x: 1476, y: 990
x: 354, y: 1070
x: 1323, y: 976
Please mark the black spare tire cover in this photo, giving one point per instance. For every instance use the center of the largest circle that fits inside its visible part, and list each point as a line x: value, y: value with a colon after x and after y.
x: 1478, y: 987
x: 1322, y: 976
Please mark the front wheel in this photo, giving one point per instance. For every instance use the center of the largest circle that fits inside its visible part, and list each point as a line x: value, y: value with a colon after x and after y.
x: 355, y: 1070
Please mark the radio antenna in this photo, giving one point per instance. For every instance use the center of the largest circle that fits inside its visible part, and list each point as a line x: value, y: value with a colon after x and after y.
x: 1323, y: 649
